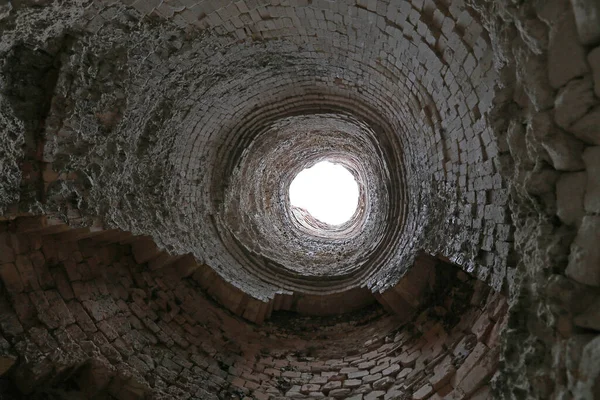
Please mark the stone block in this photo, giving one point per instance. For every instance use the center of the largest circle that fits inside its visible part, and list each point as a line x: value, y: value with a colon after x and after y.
x: 71, y: 269
x: 566, y: 55
x: 83, y: 319
x: 319, y: 380
x: 11, y: 278
x: 9, y: 322
x: 357, y: 374
x: 352, y: 383
x: 573, y: 101
x: 408, y: 360
x: 423, y: 393
x: 585, y: 253
x: 7, y: 360
x: 590, y: 318
x: 144, y: 250
x: 445, y: 391
x: 473, y: 359
x: 570, y: 192
x: 58, y: 308
x: 378, y: 368
x: 588, y: 376
x: 587, y: 128
x: 465, y: 346
x: 443, y: 372
x: 339, y: 393
x: 594, y: 61
x: 591, y: 157
x: 366, y: 365
x: 484, y: 393
x: 481, y: 373
x: 43, y: 273
x: 404, y: 373
x: 383, y: 383
x: 482, y: 327
x: 7, y: 255
x: 27, y: 273
x: 371, y: 378
x: 291, y: 374
x: 587, y: 17
x: 376, y: 394
x: 95, y: 376
x: 391, y: 370
x: 24, y: 309
x: 356, y: 397
x: 494, y: 338
x: 331, y: 386
x: 310, y: 387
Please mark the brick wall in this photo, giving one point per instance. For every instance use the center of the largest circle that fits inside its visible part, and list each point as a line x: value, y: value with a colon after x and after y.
x: 84, y: 312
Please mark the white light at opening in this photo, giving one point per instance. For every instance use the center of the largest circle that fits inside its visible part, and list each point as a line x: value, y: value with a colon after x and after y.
x: 327, y: 191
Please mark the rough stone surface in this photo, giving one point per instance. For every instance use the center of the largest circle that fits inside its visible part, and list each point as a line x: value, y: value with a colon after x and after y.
x: 124, y: 319
x: 585, y: 253
x: 290, y: 69
x: 184, y: 122
x: 589, y: 368
x: 587, y: 14
x: 573, y: 101
x: 570, y: 191
x: 591, y: 156
x: 586, y: 128
x: 594, y: 62
x: 566, y: 57
x: 590, y: 318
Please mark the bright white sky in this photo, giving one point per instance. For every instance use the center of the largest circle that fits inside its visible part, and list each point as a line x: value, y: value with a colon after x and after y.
x: 327, y: 191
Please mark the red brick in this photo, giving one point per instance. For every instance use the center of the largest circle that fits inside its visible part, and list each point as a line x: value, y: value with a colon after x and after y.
x: 39, y: 264
x: 252, y: 385
x: 19, y: 243
x: 24, y: 309
x: 72, y: 270
x: 273, y: 372
x: 260, y: 395
x: 9, y: 322
x: 45, y: 312
x: 49, y: 248
x: 108, y: 330
x: 27, y: 273
x: 62, y: 284
x: 83, y: 319
x: 59, y: 308
x: 7, y: 255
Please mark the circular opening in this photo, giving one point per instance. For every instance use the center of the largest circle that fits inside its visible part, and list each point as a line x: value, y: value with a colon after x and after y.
x: 327, y: 191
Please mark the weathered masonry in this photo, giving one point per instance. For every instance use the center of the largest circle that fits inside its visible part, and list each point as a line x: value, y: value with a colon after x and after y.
x: 149, y: 250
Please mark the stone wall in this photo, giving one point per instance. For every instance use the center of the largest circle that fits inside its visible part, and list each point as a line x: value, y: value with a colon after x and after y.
x: 548, y: 120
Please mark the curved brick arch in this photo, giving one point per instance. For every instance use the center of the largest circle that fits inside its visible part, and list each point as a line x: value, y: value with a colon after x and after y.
x: 96, y: 313
x: 164, y: 133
